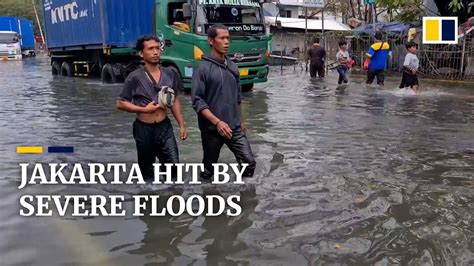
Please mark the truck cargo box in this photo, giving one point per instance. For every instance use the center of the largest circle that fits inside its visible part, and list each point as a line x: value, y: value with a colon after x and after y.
x: 89, y: 24
x: 21, y: 26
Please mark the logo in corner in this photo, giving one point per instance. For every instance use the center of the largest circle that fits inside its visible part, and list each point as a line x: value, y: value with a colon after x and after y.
x: 440, y: 30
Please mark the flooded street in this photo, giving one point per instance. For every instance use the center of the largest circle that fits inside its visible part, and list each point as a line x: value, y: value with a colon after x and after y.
x: 350, y: 175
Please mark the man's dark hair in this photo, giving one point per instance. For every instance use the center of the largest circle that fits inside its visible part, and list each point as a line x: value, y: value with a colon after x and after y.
x: 316, y: 40
x: 212, y: 31
x: 378, y: 35
x: 140, y: 45
x: 342, y: 42
x: 410, y: 45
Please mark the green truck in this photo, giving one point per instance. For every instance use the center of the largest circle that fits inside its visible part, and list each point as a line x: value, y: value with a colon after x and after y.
x: 96, y: 37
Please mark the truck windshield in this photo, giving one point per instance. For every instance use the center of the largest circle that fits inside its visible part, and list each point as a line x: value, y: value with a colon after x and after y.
x: 240, y: 19
x: 8, y: 37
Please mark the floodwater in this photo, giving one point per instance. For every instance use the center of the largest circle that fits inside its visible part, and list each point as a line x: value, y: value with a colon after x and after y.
x: 346, y: 175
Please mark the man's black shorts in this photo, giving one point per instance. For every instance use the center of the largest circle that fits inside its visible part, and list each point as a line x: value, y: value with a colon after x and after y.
x: 408, y: 80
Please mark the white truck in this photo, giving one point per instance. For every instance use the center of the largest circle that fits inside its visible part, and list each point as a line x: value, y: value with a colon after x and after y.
x: 10, y: 47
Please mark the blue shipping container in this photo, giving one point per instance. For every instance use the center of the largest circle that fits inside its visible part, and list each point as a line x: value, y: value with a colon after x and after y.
x: 86, y: 24
x: 23, y: 27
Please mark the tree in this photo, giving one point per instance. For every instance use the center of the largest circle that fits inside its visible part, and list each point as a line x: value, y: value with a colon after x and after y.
x: 458, y: 8
x: 403, y: 10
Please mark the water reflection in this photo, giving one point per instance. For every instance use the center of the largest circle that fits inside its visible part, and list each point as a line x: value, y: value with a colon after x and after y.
x: 345, y: 175
x: 187, y: 239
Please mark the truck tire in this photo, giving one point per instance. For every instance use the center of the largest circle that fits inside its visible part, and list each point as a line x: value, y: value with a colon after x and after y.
x: 66, y: 70
x: 55, y: 68
x: 108, y: 75
x: 247, y: 87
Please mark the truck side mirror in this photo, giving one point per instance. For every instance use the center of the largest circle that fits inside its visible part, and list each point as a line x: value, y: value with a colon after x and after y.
x: 187, y: 13
x: 278, y: 24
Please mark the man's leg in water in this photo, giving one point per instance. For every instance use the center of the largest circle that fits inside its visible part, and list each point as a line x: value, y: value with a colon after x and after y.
x: 415, y: 88
x: 240, y: 146
x: 403, y: 82
x: 212, y: 143
x: 380, y: 77
x: 344, y: 72
x: 370, y: 76
x: 312, y: 69
x: 415, y: 85
x: 144, y: 136
x: 320, y: 69
x: 166, y: 146
x: 341, y: 74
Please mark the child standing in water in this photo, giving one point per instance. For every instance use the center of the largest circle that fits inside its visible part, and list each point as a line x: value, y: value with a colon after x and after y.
x: 410, y: 68
x: 344, y: 60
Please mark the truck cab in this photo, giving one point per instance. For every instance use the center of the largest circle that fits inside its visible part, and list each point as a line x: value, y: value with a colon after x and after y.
x: 183, y: 25
x: 10, y: 48
x: 97, y: 37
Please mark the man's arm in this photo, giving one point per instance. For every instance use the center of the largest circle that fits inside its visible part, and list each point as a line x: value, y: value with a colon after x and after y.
x: 406, y: 64
x: 370, y: 53
x: 340, y: 58
x: 242, y: 125
x: 178, y: 87
x: 199, y: 103
x: 127, y: 106
x: 176, y: 110
x: 198, y: 91
x: 239, y: 101
x: 202, y: 108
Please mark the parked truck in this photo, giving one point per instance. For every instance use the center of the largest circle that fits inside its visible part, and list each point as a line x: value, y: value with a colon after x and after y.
x: 25, y: 32
x: 97, y: 37
x: 10, y: 48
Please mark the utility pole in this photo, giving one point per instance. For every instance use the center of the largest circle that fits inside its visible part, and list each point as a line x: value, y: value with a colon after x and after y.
x: 305, y: 30
x: 38, y: 21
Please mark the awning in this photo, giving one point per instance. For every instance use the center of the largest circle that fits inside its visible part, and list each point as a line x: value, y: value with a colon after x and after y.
x: 313, y: 24
x: 389, y: 27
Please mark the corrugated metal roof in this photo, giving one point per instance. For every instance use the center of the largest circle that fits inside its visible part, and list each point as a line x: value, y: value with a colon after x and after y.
x: 313, y: 24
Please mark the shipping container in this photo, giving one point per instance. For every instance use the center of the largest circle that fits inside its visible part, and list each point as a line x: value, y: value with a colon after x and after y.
x: 21, y: 26
x: 97, y: 37
x: 89, y: 24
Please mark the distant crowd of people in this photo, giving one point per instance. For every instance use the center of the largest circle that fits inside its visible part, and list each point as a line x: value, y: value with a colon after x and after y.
x: 376, y: 62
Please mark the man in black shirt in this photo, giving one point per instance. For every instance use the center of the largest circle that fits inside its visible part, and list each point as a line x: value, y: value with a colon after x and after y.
x: 152, y: 130
x: 316, y: 55
x: 216, y: 95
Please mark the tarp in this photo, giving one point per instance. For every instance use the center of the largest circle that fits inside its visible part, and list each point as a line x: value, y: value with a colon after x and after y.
x: 389, y: 27
x: 466, y: 27
x: 313, y: 24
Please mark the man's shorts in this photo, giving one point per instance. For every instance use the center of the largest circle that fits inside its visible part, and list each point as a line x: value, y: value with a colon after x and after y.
x: 408, y: 80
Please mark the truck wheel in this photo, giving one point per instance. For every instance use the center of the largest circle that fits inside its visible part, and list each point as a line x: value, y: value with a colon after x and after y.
x: 108, y: 74
x: 247, y: 87
x: 66, y: 70
x: 55, y: 68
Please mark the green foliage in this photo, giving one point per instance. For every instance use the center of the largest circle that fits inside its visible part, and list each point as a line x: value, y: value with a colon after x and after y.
x: 456, y: 5
x: 470, y: 6
x: 404, y: 10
